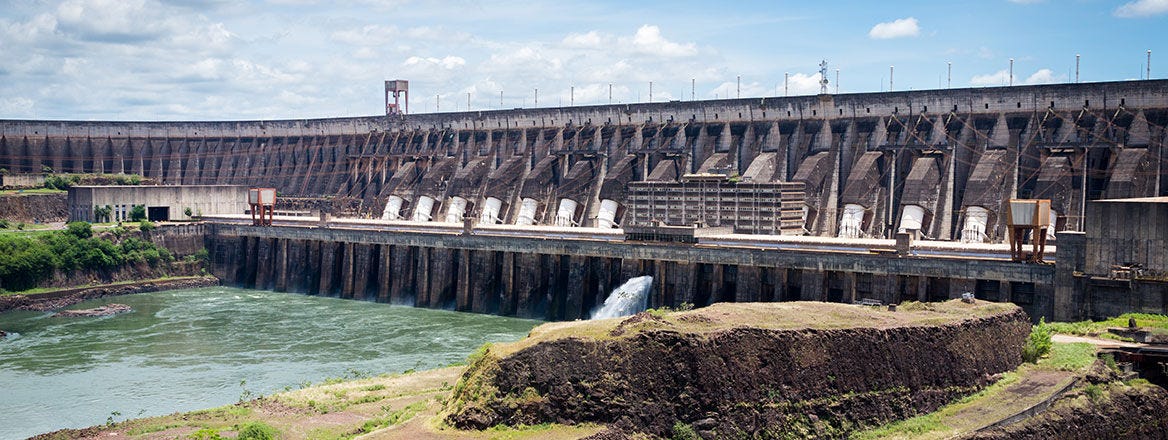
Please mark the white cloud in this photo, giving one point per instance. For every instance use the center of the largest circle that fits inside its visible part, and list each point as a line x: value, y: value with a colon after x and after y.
x: 1142, y: 8
x: 902, y: 27
x: 1044, y: 76
x: 448, y: 62
x: 590, y: 40
x: 648, y: 40
x: 999, y: 78
x: 1002, y: 78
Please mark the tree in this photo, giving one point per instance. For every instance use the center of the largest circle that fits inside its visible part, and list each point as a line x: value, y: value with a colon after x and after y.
x: 137, y: 213
x: 80, y: 229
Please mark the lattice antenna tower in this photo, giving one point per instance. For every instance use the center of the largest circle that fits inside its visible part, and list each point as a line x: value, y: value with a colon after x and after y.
x: 823, y: 77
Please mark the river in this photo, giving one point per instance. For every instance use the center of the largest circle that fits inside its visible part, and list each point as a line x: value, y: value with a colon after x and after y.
x: 190, y: 349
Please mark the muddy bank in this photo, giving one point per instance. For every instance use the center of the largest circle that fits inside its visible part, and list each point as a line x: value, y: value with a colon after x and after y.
x: 67, y: 297
x: 648, y: 374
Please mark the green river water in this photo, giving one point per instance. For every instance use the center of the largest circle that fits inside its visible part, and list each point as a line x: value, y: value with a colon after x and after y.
x: 190, y: 349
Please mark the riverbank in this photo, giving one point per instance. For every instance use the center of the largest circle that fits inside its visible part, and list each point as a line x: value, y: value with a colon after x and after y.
x: 57, y: 299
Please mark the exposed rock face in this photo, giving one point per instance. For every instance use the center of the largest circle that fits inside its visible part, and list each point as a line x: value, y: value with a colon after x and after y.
x: 742, y: 381
x: 34, y: 208
x: 106, y: 310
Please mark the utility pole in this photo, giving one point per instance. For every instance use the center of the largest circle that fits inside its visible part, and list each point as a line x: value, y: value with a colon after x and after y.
x: 1076, y: 68
x: 650, y: 91
x: 610, y: 93
x: 536, y: 97
x: 693, y: 88
x: 949, y: 78
x: 468, y: 101
x: 739, y: 93
x: 1149, y: 75
x: 891, y: 69
x: 572, y: 96
x: 1011, y: 71
x: 500, y: 100
x: 786, y: 78
x: 437, y: 102
x: 837, y: 81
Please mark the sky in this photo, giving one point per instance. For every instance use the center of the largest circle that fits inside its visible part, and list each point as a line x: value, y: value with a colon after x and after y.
x: 176, y: 60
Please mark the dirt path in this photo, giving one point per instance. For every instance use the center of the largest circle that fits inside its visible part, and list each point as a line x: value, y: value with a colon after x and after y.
x: 1098, y: 342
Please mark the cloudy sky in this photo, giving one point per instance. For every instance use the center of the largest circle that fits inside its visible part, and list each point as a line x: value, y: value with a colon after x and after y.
x: 280, y: 59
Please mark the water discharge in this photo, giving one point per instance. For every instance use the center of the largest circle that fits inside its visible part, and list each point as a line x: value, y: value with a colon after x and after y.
x: 199, y: 348
x: 628, y: 299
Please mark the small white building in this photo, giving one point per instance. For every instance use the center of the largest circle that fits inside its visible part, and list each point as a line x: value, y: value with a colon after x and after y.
x: 162, y: 202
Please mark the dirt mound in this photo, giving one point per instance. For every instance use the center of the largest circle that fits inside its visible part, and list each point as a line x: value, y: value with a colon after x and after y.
x: 755, y: 378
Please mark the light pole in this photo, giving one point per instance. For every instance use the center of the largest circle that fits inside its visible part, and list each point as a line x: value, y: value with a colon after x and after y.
x: 949, y: 77
x: 1011, y: 71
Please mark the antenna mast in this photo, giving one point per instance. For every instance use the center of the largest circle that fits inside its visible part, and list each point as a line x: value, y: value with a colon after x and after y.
x: 823, y: 77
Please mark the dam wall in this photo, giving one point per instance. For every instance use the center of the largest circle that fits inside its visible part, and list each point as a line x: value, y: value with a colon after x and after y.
x: 558, y: 279
x: 941, y: 163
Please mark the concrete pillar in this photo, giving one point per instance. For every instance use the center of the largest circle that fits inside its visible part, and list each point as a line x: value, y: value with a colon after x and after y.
x: 813, y: 285
x: 280, y: 267
x: 297, y: 266
x: 1069, y: 297
x: 403, y: 288
x: 463, y: 296
x: 422, y: 271
x: 315, y: 259
x: 328, y: 267
x: 248, y: 277
x: 348, y: 270
x: 508, y: 302
x: 384, y: 272
x: 362, y: 269
x: 578, y: 275
x: 749, y: 284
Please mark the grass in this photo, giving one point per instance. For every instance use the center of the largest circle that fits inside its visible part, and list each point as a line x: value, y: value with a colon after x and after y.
x: 31, y: 191
x: 771, y: 316
x: 1099, y: 328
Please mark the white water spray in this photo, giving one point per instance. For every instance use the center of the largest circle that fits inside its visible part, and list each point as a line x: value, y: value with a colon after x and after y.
x: 628, y: 299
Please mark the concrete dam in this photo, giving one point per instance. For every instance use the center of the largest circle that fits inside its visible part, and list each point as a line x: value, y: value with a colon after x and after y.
x: 940, y: 165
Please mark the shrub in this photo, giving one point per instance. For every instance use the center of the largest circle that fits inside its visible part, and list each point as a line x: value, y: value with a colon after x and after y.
x: 187, y: 211
x: 146, y: 225
x: 5, y: 224
x: 257, y: 431
x: 682, y: 431
x: 1038, y: 343
x: 79, y: 229
x: 138, y: 213
x: 61, y: 181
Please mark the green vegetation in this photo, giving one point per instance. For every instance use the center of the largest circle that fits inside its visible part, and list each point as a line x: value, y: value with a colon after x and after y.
x: 25, y: 261
x: 138, y: 213
x: 30, y: 191
x: 61, y: 181
x: 257, y: 431
x: 1099, y: 328
x: 1038, y: 343
x: 146, y: 226
x: 682, y: 431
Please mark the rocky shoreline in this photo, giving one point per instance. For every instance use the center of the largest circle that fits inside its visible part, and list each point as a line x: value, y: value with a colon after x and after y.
x: 67, y: 297
x: 106, y: 310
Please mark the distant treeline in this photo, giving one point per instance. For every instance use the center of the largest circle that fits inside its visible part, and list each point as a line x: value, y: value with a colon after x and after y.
x: 26, y: 260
